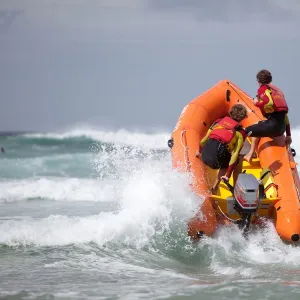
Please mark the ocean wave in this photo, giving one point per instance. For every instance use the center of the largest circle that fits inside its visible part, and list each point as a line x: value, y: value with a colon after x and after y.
x: 149, y: 201
x: 58, y: 189
x: 119, y: 137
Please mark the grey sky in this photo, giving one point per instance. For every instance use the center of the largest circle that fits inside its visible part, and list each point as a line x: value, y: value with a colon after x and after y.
x: 135, y: 64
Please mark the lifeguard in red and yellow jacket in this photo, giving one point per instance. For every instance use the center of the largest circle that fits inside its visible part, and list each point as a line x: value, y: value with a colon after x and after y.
x: 222, y: 144
x: 271, y: 101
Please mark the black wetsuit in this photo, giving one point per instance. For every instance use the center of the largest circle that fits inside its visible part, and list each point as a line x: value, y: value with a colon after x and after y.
x: 216, y: 154
x: 272, y: 127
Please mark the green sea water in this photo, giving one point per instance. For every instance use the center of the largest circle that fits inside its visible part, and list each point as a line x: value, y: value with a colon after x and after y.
x: 102, y: 215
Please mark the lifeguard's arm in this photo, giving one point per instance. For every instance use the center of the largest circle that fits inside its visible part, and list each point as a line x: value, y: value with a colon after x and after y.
x: 235, y: 154
x: 265, y: 99
x: 288, y: 126
x: 204, y: 140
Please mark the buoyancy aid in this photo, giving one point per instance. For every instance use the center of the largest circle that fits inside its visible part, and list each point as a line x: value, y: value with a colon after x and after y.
x: 224, y: 130
x: 276, y: 100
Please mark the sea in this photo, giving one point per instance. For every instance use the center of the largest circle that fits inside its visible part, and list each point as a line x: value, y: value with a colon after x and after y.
x: 97, y: 214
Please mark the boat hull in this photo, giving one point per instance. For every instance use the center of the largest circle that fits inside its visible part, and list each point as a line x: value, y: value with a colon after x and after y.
x: 282, y: 206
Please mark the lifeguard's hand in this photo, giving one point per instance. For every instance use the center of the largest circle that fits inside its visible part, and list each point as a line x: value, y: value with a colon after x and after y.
x: 254, y: 100
x: 288, y: 140
x: 224, y: 178
x: 198, y: 154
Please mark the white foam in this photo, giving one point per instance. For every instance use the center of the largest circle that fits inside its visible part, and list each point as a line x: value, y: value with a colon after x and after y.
x: 233, y: 255
x: 122, y: 136
x: 59, y: 189
x: 149, y: 201
x: 296, y: 142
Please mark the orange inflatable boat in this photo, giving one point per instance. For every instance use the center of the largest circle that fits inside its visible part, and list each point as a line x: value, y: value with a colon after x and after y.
x: 274, y: 167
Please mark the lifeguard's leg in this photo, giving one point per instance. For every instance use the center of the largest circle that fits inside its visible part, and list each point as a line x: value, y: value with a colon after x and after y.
x: 254, y: 144
x: 268, y: 128
x: 237, y: 170
x: 221, y: 173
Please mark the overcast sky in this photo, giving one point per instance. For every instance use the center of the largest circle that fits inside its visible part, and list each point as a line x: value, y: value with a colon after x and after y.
x: 135, y: 64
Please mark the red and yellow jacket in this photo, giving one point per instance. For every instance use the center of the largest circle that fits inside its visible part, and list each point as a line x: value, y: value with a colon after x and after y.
x: 271, y: 99
x: 225, y: 130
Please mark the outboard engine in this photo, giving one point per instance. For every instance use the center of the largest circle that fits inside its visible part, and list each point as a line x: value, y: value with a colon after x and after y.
x: 248, y: 193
